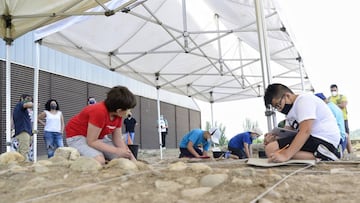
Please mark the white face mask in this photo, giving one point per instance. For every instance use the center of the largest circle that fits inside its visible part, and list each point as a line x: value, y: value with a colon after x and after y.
x: 334, y: 93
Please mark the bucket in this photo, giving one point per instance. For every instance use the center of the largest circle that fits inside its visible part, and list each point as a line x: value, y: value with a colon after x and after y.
x: 218, y: 154
x: 134, y: 149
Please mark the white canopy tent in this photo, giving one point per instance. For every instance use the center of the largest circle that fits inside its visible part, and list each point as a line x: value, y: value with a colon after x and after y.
x: 21, y: 16
x: 205, y: 49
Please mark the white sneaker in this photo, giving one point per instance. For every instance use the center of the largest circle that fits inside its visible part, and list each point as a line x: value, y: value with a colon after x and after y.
x: 164, y: 148
x: 325, y: 154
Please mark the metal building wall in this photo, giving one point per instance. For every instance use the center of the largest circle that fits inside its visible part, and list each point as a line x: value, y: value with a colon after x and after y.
x: 72, y: 95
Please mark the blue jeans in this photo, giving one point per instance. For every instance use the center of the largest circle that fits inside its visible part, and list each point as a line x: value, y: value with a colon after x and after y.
x: 132, y: 135
x: 53, y: 140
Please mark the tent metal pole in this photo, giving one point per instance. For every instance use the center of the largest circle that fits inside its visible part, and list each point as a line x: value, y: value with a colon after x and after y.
x: 212, y: 108
x: 36, y: 99
x: 185, y: 33
x: 158, y: 121
x: 301, y: 76
x: 8, y: 97
x: 264, y: 55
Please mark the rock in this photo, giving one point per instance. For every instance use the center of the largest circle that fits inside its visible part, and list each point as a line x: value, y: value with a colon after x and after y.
x: 59, y: 161
x: 213, y: 180
x: 124, y: 164
x: 200, y: 168
x: 143, y: 166
x: 187, y: 180
x: 242, y: 181
x: 11, y: 157
x: 178, y: 166
x: 86, y: 164
x: 195, y: 192
x: 40, y: 168
x: 68, y: 153
x: 244, y: 172
x: 167, y: 186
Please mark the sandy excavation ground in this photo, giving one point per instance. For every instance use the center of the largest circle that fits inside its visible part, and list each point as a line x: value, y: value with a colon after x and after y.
x: 182, y: 180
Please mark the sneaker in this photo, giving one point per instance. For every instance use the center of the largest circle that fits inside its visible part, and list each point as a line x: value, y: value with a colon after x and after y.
x: 340, y: 150
x: 325, y: 154
x: 164, y: 148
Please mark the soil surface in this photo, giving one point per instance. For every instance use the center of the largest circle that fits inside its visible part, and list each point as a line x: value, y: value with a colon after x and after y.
x: 171, y: 179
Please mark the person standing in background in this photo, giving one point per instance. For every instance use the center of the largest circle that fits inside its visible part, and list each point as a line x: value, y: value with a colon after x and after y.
x: 339, y: 119
x: 163, y: 123
x: 130, y: 123
x: 91, y: 101
x: 53, y: 126
x: 341, y: 101
x: 22, y: 124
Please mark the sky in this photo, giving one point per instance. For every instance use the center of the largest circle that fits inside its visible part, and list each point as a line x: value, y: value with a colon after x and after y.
x: 327, y: 35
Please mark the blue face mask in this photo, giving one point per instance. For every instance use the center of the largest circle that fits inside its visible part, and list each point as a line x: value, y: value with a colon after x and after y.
x: 286, y: 108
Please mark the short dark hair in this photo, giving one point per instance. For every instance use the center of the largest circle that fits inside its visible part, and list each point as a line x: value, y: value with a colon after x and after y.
x: 275, y: 90
x: 333, y: 86
x: 120, y: 97
x: 23, y: 96
x: 47, y: 105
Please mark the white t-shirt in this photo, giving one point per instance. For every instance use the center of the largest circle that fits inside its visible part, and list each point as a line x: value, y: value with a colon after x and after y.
x: 53, y: 122
x: 162, y: 124
x: 308, y: 106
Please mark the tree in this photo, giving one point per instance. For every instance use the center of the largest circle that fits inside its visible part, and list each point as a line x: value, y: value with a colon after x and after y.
x: 223, y: 141
x: 248, y: 125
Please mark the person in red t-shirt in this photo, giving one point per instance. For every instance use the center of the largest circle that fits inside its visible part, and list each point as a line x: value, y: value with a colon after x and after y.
x: 87, y: 130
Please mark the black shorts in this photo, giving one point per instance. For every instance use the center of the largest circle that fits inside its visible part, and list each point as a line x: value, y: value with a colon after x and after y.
x: 311, y: 145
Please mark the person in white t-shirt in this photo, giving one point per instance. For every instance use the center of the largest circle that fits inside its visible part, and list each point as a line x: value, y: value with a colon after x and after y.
x: 318, y: 135
x: 53, y: 121
x: 163, y: 123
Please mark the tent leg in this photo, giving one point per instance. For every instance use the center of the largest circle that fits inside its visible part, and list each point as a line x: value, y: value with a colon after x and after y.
x: 8, y: 98
x: 159, y: 128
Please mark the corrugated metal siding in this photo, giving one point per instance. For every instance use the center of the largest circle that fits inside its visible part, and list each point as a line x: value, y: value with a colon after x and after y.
x: 136, y: 113
x: 149, y: 133
x: 44, y: 95
x: 3, y: 108
x: 168, y: 111
x: 194, y: 119
x: 72, y: 95
x: 96, y: 91
x: 182, y: 122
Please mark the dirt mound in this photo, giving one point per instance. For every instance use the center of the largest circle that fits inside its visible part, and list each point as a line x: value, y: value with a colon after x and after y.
x: 183, y: 180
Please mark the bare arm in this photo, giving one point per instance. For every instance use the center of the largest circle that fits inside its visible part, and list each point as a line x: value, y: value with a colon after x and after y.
x: 190, y: 147
x: 246, y: 148
x: 342, y: 104
x: 297, y: 143
x: 62, y: 123
x: 41, y: 118
x: 93, y: 140
x: 119, y: 142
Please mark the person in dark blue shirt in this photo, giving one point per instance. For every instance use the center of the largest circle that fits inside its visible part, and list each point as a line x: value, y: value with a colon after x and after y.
x: 130, y: 123
x: 240, y: 144
x: 22, y: 124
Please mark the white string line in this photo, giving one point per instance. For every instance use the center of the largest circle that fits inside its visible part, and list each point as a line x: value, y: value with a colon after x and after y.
x: 82, y: 187
x: 279, y: 182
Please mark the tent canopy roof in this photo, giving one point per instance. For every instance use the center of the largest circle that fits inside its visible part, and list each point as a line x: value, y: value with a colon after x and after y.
x: 205, y: 49
x: 22, y: 16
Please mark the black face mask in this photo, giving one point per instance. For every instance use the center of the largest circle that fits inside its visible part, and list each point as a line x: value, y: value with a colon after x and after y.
x: 286, y: 108
x: 53, y: 106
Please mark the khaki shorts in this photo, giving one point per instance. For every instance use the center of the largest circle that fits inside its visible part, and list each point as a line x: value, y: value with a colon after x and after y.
x: 79, y: 142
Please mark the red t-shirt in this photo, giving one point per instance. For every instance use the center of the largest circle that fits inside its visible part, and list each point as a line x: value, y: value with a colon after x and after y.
x: 96, y: 114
